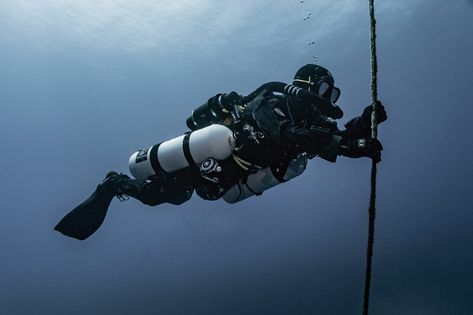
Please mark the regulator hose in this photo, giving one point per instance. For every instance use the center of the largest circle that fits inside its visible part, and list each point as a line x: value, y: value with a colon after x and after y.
x: 322, y: 105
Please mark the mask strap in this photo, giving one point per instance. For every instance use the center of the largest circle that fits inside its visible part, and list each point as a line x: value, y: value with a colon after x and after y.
x: 310, y: 82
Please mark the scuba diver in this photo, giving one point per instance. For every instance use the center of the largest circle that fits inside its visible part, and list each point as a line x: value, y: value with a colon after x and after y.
x: 238, y: 146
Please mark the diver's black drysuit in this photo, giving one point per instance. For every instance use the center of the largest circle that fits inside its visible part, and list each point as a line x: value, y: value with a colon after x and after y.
x: 273, y: 130
x: 272, y: 127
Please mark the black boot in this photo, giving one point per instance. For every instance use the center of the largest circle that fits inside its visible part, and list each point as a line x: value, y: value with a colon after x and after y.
x: 87, y: 217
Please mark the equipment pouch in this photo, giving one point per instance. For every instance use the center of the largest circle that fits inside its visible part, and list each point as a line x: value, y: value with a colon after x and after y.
x: 264, y: 116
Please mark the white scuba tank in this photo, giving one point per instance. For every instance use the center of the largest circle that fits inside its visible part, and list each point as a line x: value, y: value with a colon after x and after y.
x: 262, y: 180
x: 214, y: 141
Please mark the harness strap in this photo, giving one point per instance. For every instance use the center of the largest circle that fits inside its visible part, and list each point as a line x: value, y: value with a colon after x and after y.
x: 155, y: 161
x: 187, y: 152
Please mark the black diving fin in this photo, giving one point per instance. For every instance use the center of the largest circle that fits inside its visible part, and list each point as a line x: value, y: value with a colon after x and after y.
x: 87, y: 217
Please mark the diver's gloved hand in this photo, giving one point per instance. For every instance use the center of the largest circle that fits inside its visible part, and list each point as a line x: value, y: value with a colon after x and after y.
x: 360, y: 126
x: 381, y: 115
x: 356, y: 148
x: 228, y: 101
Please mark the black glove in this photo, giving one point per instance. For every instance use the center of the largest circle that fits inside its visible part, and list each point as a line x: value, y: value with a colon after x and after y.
x: 228, y: 101
x: 356, y: 148
x: 360, y: 126
x: 381, y: 115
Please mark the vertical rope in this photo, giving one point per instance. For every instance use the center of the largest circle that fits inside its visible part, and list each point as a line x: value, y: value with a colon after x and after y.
x: 374, y: 71
x: 374, y: 135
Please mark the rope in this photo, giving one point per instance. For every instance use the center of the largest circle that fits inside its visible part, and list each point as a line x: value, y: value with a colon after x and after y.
x: 374, y: 135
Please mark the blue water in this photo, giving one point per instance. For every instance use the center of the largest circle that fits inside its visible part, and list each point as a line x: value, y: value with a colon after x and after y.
x: 83, y: 85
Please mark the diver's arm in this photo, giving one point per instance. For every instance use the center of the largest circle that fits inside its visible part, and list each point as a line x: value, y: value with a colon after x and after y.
x: 356, y: 139
x: 328, y: 145
x: 318, y: 140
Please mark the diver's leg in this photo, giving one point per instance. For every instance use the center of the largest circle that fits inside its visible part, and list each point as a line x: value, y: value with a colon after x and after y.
x: 86, y: 218
x: 175, y: 188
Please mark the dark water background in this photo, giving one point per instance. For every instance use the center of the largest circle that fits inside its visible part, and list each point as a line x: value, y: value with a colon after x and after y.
x: 83, y: 85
